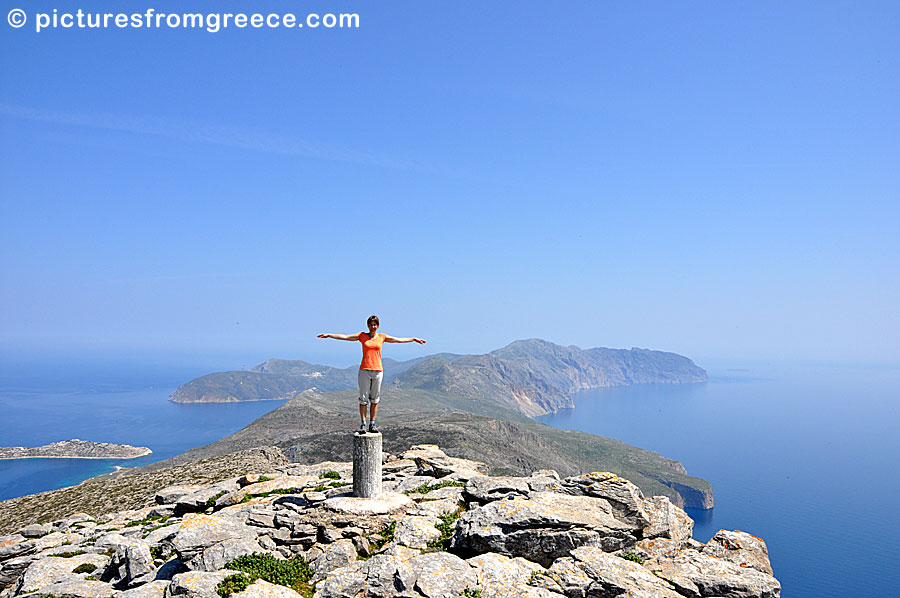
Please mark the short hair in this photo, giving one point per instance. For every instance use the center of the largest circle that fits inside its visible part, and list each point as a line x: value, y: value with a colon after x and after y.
x: 373, y: 319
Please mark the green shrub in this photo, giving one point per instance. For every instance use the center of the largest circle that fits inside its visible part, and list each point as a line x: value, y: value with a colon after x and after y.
x: 84, y: 568
x: 630, y: 556
x: 293, y: 573
x: 264, y: 478
x: 446, y: 527
x: 211, y: 501
x: 386, y: 535
x: 471, y: 593
x: 66, y: 555
x: 332, y: 475
x: 426, y: 488
x: 233, y: 584
x: 339, y: 484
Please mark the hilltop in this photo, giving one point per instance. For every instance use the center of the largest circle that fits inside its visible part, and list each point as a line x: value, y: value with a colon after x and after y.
x: 443, y: 529
x: 314, y: 426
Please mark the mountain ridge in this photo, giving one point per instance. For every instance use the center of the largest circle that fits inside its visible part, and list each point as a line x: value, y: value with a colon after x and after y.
x: 533, y: 376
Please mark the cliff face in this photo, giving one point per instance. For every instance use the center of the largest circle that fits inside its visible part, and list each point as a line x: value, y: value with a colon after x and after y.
x: 536, y: 377
x: 443, y: 529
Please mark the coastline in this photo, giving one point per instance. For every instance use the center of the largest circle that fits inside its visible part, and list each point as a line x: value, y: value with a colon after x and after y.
x: 149, y: 452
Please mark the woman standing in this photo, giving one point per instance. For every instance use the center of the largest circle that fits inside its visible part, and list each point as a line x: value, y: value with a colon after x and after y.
x: 371, y: 371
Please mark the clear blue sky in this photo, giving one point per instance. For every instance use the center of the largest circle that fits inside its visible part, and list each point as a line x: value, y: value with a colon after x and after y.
x: 718, y: 179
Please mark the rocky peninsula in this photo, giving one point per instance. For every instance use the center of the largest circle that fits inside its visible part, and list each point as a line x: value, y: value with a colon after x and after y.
x: 286, y: 531
x: 532, y: 377
x: 75, y: 449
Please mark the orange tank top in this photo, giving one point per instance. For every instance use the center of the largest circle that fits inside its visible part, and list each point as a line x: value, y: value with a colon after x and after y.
x: 371, y: 347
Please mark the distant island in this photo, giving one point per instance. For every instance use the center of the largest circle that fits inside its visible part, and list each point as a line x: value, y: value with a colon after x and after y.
x: 533, y: 376
x: 75, y: 449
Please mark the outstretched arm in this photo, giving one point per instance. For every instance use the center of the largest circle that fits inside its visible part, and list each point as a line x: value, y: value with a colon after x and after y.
x: 393, y: 339
x: 340, y: 337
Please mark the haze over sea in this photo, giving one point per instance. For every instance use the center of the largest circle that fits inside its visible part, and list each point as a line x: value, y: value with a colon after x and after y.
x: 803, y: 456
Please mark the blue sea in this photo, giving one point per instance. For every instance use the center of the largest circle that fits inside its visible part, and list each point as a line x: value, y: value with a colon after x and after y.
x: 126, y: 404
x: 803, y: 456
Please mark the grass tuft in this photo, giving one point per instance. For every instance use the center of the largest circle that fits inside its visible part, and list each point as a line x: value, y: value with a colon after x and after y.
x: 85, y: 568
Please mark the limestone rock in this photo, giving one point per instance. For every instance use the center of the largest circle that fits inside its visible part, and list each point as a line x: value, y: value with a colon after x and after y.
x: 485, y: 489
x: 415, y: 532
x: 387, y: 503
x: 333, y: 556
x: 452, y: 492
x: 195, y: 584
x: 740, y: 548
x: 15, y: 545
x: 218, y: 555
x: 541, y: 528
x: 649, y: 548
x: 199, y: 532
x: 281, y: 482
x: 572, y: 579
x: 435, y: 508
x: 162, y: 535
x: 667, y: 520
x: 694, y: 574
x: 442, y: 575
x: 55, y: 539
x: 170, y: 494
x: 114, y: 541
x: 131, y: 565
x: 431, y: 461
x: 77, y: 588
x: 45, y: 571
x: 626, y: 499
x: 263, y: 589
x: 11, y: 569
x: 153, y: 589
x: 261, y: 518
x: 544, y: 480
x: 230, y: 499
x: 198, y: 500
x: 614, y: 576
x: 386, y: 574
x: 36, y: 530
x: 497, y: 576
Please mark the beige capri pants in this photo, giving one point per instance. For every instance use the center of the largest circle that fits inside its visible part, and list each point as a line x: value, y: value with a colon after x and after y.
x: 370, y: 386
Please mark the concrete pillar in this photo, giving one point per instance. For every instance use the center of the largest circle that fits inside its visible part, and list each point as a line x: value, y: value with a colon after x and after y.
x: 367, y: 465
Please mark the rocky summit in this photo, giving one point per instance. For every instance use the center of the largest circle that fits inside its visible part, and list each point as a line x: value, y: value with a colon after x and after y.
x: 443, y: 529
